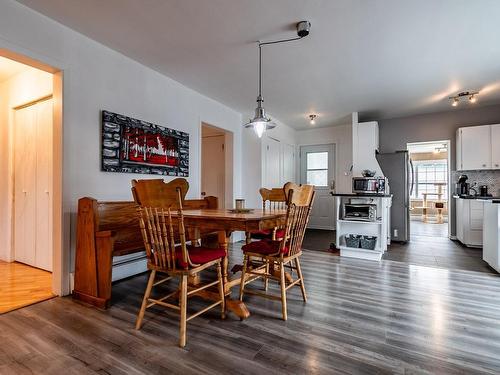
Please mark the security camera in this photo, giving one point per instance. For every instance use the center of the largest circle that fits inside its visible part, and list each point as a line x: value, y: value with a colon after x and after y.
x: 303, y: 28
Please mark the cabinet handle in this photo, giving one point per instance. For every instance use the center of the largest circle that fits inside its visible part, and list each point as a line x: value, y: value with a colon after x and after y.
x: 484, y: 165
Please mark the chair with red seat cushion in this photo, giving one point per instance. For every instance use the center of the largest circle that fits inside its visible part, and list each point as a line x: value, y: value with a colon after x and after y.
x: 162, y: 226
x: 272, y: 199
x: 199, y: 255
x: 280, y: 252
x: 265, y: 247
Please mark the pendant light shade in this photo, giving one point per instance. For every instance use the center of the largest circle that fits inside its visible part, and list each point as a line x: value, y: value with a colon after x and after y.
x: 260, y: 123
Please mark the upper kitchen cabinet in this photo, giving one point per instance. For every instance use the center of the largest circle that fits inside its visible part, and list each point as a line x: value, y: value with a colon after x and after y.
x: 477, y: 146
x: 495, y: 146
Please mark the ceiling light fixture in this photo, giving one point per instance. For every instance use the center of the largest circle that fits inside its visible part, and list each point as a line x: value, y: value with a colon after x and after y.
x: 472, y: 95
x: 312, y: 119
x: 260, y: 123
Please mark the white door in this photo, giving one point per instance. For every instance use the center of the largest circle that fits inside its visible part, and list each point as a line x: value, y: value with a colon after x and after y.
x: 476, y: 147
x: 317, y: 167
x: 288, y: 174
x: 213, y: 168
x: 495, y: 146
x: 32, y: 185
x: 272, y: 178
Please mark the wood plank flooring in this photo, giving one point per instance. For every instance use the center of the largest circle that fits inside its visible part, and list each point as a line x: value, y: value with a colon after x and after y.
x: 362, y: 317
x: 22, y: 285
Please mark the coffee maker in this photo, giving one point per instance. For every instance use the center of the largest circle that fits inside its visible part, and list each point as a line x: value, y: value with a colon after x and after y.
x: 462, y: 186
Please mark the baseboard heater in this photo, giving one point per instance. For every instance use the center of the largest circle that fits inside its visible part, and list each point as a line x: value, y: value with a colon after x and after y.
x: 129, y: 265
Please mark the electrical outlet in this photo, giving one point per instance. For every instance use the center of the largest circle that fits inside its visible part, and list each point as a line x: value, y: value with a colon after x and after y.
x: 395, y: 232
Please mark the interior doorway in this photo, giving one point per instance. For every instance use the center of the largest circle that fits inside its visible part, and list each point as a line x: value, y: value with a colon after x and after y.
x: 30, y: 197
x: 217, y: 164
x: 429, y: 198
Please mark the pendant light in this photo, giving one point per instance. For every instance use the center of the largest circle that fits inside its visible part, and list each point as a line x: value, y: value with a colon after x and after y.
x: 260, y: 123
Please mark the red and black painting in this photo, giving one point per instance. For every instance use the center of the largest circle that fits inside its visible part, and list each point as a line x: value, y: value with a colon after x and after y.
x: 134, y: 146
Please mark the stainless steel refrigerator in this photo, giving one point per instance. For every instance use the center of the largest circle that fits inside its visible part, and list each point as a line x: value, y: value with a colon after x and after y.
x: 398, y: 169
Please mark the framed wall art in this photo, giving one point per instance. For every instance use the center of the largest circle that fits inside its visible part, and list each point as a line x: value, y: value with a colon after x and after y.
x: 135, y: 146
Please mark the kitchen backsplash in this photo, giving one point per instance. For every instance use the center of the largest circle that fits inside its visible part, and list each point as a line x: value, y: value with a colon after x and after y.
x: 490, y: 178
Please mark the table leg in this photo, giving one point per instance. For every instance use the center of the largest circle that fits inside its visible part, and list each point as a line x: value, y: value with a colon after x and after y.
x: 236, y: 306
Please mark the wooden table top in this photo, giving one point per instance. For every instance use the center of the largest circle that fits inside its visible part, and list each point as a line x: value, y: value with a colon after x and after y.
x: 225, y: 214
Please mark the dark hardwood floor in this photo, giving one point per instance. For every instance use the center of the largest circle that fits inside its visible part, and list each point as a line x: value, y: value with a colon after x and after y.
x: 362, y: 317
x: 424, y: 249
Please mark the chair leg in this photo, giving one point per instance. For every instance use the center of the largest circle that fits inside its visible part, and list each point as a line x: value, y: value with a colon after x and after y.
x: 243, y: 272
x: 221, y: 292
x: 183, y: 308
x: 266, y: 280
x: 301, y: 277
x: 145, y: 299
x: 283, y: 291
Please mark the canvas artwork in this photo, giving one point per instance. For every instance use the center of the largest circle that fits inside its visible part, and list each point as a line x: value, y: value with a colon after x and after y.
x: 135, y: 146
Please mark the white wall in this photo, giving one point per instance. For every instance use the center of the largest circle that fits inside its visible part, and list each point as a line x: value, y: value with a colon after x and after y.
x: 341, y: 136
x: 23, y: 88
x: 253, y: 151
x: 96, y: 78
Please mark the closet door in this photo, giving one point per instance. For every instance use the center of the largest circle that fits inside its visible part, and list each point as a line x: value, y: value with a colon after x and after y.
x: 32, y: 185
x: 25, y: 185
x: 272, y: 163
x: 43, y: 246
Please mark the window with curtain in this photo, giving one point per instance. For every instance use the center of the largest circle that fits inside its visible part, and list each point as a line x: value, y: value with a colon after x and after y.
x: 427, y: 174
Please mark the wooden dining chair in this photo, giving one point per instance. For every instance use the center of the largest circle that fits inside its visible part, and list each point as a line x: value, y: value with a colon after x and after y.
x: 272, y: 199
x: 164, y: 236
x: 282, y: 252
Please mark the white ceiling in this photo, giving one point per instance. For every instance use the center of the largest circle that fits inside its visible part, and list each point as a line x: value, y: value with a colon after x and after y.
x: 383, y: 58
x: 9, y: 68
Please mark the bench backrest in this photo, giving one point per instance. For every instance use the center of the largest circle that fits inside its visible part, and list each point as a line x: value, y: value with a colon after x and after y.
x: 120, y: 218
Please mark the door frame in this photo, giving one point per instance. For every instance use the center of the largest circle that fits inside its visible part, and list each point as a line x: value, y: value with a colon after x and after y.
x: 228, y: 162
x: 451, y: 207
x: 333, y: 160
x: 60, y: 231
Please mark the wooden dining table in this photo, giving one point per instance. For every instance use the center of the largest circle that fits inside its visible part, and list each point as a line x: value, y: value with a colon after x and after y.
x: 225, y: 222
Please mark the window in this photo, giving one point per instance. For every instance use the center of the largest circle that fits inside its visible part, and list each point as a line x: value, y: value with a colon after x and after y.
x: 430, y: 176
x: 317, y: 168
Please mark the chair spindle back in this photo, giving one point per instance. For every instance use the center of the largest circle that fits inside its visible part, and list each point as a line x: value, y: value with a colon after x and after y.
x: 161, y: 222
x: 299, y: 204
x: 273, y: 199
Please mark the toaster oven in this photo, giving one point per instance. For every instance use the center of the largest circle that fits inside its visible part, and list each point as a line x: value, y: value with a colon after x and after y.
x: 359, y: 212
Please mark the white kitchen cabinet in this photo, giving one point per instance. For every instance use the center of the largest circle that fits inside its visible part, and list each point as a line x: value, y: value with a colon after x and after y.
x: 474, y: 150
x: 495, y: 146
x: 469, y: 214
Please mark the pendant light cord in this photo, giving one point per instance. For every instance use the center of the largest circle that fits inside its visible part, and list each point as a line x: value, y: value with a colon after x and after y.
x: 259, y: 98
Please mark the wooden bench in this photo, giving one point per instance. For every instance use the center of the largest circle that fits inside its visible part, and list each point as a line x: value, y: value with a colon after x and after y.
x: 105, y: 230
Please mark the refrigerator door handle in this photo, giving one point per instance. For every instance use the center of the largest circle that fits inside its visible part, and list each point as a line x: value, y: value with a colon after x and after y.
x: 412, y: 177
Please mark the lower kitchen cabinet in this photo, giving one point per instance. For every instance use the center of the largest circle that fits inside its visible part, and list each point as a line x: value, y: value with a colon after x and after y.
x: 469, y: 214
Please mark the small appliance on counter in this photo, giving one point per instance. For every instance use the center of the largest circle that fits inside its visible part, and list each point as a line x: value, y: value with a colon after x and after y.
x: 483, y: 191
x: 369, y: 185
x: 462, y: 187
x: 359, y: 212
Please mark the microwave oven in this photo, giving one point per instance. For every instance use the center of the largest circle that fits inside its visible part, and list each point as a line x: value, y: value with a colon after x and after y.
x: 359, y: 212
x: 369, y: 185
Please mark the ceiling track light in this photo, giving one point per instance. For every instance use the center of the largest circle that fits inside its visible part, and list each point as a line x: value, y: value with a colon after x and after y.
x: 260, y: 123
x: 312, y: 119
x: 471, y: 95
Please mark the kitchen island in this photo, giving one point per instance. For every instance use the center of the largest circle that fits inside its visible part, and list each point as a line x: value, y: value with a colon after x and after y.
x: 351, y: 226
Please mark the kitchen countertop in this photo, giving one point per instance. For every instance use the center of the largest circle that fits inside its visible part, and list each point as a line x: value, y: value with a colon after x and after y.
x: 361, y: 195
x: 477, y: 197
